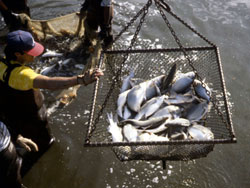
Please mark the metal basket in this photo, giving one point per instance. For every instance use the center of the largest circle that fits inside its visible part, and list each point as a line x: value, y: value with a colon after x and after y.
x: 147, y: 64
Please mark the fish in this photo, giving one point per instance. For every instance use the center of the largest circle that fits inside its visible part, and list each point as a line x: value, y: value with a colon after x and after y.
x: 197, y: 111
x: 50, y: 53
x: 199, y: 132
x: 122, y: 98
x: 127, y: 113
x: 170, y: 111
x: 183, y: 82
x: 130, y: 133
x: 126, y: 82
x: 142, y: 124
x: 179, y: 99
x: 177, y: 122
x: 146, y: 136
x: 168, y: 79
x: 201, y: 91
x: 114, y: 130
x: 152, y: 90
x: 136, y: 96
x: 149, y: 107
x: 47, y: 70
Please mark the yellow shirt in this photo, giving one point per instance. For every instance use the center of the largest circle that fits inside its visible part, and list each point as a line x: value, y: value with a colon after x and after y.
x: 21, y: 78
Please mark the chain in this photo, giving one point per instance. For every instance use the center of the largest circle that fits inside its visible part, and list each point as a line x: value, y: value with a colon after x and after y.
x: 167, y: 8
x: 144, y: 12
x: 159, y: 6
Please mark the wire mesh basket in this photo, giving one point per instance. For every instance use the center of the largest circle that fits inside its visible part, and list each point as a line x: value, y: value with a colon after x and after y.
x: 147, y: 64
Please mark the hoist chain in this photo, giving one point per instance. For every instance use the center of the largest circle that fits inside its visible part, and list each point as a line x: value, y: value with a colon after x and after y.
x: 167, y: 8
x: 144, y: 12
x: 159, y: 6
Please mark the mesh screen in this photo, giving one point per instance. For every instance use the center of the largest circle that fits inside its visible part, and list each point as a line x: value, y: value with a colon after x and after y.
x: 148, y: 64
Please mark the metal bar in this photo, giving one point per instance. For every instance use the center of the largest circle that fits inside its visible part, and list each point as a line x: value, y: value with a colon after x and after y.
x: 179, y: 142
x: 160, y: 50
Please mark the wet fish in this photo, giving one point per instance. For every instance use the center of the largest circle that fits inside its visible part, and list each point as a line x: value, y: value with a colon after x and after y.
x: 182, y: 82
x: 126, y: 82
x: 177, y: 122
x: 170, y: 111
x: 47, y: 70
x: 199, y: 132
x: 168, y: 79
x: 130, y: 133
x: 146, y: 136
x: 149, y: 107
x: 152, y: 90
x: 113, y: 129
x: 142, y: 124
x: 127, y: 113
x: 197, y: 111
x: 136, y: 96
x: 202, y: 91
x: 122, y: 98
x: 50, y: 53
x: 179, y: 99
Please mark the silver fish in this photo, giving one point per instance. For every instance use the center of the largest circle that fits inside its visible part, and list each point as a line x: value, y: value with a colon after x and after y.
x: 150, y: 107
x: 130, y: 133
x: 152, y: 90
x: 143, y: 124
x: 177, y: 122
x: 170, y: 111
x: 50, y: 53
x: 146, y: 136
x: 127, y: 113
x: 47, y: 70
x: 202, y: 91
x: 199, y: 132
x: 159, y: 129
x: 136, y: 96
x: 121, y: 102
x: 197, y: 111
x: 182, y: 82
x: 126, y: 82
x: 179, y: 99
x: 113, y: 129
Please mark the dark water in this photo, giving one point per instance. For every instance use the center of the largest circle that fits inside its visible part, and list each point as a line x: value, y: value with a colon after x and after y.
x: 69, y: 164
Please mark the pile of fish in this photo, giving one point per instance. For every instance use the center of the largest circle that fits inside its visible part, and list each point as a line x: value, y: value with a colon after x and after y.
x: 167, y: 107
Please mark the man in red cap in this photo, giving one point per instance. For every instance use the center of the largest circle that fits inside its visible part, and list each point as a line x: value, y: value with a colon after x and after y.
x: 22, y: 106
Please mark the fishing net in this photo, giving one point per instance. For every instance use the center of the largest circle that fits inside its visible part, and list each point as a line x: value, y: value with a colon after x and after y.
x: 149, y: 61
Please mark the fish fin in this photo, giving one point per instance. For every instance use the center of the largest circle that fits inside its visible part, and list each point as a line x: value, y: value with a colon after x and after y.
x: 167, y: 80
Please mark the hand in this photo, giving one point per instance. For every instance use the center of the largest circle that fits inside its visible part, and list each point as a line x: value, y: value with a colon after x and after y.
x: 89, y: 77
x: 26, y: 143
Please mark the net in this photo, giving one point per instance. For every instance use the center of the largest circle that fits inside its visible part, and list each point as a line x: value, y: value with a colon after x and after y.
x: 147, y: 63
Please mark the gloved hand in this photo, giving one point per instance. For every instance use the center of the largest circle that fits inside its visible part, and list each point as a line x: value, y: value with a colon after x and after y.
x: 89, y: 77
x: 26, y: 143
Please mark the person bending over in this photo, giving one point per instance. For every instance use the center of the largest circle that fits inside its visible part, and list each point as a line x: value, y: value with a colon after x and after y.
x: 21, y: 102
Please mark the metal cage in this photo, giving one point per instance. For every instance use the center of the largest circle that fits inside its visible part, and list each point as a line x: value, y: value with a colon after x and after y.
x: 149, y: 63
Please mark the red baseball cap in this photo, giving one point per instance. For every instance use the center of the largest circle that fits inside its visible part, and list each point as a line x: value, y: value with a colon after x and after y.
x: 23, y: 41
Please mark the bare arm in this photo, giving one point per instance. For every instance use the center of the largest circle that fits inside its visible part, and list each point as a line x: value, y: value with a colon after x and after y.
x: 54, y: 83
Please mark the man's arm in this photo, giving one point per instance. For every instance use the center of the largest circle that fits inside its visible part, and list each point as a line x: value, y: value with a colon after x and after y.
x: 54, y: 83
